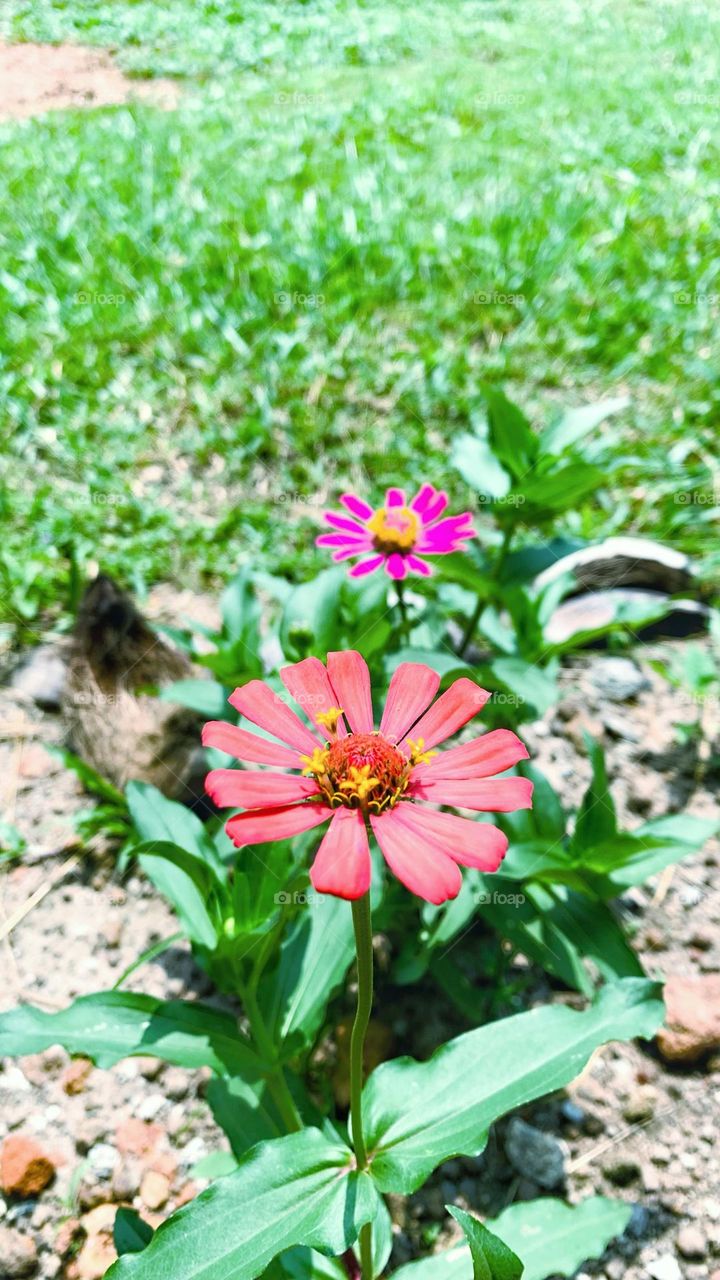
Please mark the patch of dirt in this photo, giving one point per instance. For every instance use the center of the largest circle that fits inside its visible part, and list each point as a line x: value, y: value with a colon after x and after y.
x: 630, y: 1127
x: 35, y: 78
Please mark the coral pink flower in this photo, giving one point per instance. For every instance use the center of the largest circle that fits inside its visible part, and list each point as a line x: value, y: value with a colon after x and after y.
x: 359, y: 779
x: 396, y: 535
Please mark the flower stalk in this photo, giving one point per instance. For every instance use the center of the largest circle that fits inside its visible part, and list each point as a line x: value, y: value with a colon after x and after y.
x: 362, y: 925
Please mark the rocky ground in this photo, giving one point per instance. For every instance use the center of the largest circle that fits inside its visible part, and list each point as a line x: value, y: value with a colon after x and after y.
x: 77, y: 1141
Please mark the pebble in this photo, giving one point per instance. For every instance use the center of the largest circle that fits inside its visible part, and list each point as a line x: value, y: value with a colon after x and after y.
x: 640, y: 1106
x: 622, y: 1172
x: 151, y: 1106
x: 650, y: 1177
x: 572, y: 1113
x: 177, y: 1084
x: 126, y: 1181
x: 618, y: 679
x: 664, y: 1268
x: 692, y: 1018
x: 691, y: 1242
x: 103, y: 1159
x: 538, y: 1156
x: 25, y: 1167
x: 149, y: 1068
x: 75, y: 1076
x: 18, y: 1254
x: 154, y: 1189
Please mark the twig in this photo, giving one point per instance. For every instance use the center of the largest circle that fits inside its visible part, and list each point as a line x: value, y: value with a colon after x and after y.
x: 12, y: 921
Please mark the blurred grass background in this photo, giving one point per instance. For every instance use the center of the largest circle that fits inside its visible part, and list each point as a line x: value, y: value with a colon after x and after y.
x: 213, y: 319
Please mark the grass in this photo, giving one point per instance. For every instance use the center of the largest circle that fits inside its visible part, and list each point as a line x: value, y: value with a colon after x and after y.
x: 215, y: 318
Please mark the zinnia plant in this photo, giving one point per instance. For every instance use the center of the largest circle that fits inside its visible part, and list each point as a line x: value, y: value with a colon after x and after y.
x: 397, y: 535
x: 363, y: 780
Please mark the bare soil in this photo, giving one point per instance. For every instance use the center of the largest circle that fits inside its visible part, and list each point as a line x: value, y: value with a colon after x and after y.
x: 35, y: 78
x: 631, y: 1127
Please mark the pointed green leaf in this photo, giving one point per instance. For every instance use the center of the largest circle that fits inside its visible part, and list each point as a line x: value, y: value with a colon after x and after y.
x: 511, y: 436
x: 577, y: 423
x: 596, y: 820
x: 188, y: 882
x: 130, y: 1233
x: 119, y: 1024
x: 207, y: 697
x: 418, y: 1114
x: 491, y: 1258
x: 551, y: 1238
x: 298, y: 1190
x: 314, y: 958
x: 157, y: 818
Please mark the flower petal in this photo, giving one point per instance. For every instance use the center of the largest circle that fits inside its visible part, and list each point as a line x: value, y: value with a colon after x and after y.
x: 447, y: 535
x: 360, y: 543
x: 268, y: 710
x: 310, y: 686
x: 416, y: 860
x: 350, y: 679
x: 412, y: 688
x: 366, y: 566
x: 356, y: 506
x: 417, y: 565
x: 342, y: 863
x: 471, y: 843
x: 245, y: 789
x: 489, y: 795
x: 247, y: 746
x: 481, y: 758
x: 344, y: 523
x: 423, y: 498
x: 259, y: 826
x: 458, y: 704
x: 435, y: 507
x: 395, y: 566
x: 395, y: 498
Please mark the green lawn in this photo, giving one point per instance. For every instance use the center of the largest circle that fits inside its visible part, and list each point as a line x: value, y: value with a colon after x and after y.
x: 214, y: 318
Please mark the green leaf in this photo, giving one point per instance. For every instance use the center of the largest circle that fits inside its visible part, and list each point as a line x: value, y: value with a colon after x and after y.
x: 240, y: 610
x: 596, y: 820
x: 207, y: 697
x: 157, y: 818
x: 218, y: 1164
x: 551, y: 1238
x: 314, y: 957
x: 188, y: 883
x: 246, y: 1112
x: 577, y: 423
x: 118, y: 1024
x: 512, y: 438
x: 532, y: 688
x: 474, y: 459
x: 90, y: 778
x: 130, y: 1233
x: 491, y: 1259
x: 589, y: 927
x: 561, y: 488
x: 419, y: 1114
x: 444, y: 661
x: 311, y: 616
x: 308, y: 1264
x: 297, y: 1190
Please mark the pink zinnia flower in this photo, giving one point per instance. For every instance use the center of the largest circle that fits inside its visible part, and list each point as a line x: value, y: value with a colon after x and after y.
x: 396, y: 535
x: 344, y: 771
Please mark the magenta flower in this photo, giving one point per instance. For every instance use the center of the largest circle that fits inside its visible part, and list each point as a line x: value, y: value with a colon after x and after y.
x: 396, y: 535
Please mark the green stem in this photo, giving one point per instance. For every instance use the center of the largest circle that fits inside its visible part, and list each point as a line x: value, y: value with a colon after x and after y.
x: 362, y: 925
x: 277, y: 1084
x: 402, y: 606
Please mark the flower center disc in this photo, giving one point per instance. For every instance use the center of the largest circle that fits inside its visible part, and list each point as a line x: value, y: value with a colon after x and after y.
x: 364, y: 771
x: 394, y: 529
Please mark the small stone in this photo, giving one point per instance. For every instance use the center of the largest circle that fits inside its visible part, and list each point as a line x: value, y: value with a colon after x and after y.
x: 176, y: 1084
x: 90, y: 1193
x: 126, y: 1181
x: 692, y: 1018
x: 103, y: 1159
x: 151, y: 1106
x: 25, y: 1167
x: 703, y: 939
x: 650, y: 1177
x: 35, y: 762
x: 691, y: 1242
x: 618, y: 679
x: 67, y: 1237
x: 664, y: 1268
x: 622, y: 1172
x: 112, y: 931
x: 572, y: 1113
x: 538, y: 1156
x: 640, y: 1106
x: 660, y: 1154
x: 41, y: 677
x: 136, y: 1138
x: 18, y: 1254
x: 75, y: 1076
x: 154, y: 1189
x: 149, y: 1068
